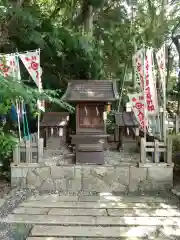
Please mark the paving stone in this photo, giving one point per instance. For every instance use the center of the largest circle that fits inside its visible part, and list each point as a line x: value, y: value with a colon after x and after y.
x: 50, y: 219
x: 95, y: 205
x: 133, y: 199
x: 125, y: 238
x: 22, y: 210
x: 90, y: 220
x: 137, y: 221
x: 2, y: 201
x: 93, y: 231
x: 47, y: 238
x: 77, y: 212
x: 54, y: 197
x: 144, y: 212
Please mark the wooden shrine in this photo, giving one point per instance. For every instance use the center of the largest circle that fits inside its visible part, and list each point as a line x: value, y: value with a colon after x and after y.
x: 54, y: 124
x: 123, y: 121
x: 91, y: 98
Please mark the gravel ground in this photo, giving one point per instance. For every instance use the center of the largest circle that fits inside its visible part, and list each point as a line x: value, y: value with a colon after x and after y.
x: 14, y: 231
x: 5, y: 188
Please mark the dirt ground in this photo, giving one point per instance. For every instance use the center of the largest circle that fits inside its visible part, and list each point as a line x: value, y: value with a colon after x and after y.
x: 5, y: 188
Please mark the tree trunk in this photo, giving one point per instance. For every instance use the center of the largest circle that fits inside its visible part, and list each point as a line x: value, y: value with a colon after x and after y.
x: 87, y: 12
x: 177, y: 44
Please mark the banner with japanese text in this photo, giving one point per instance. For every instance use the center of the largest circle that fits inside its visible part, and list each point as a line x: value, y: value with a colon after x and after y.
x: 31, y: 61
x: 161, y: 57
x: 9, y: 66
x: 142, y: 58
x: 137, y: 103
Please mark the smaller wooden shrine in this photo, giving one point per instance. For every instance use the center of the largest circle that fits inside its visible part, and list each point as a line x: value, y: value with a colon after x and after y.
x: 92, y: 98
x: 54, y: 124
x: 123, y: 121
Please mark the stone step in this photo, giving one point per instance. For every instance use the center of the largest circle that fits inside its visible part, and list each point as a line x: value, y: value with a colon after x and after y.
x: 61, y: 211
x: 141, y: 212
x: 105, y: 198
x: 54, y: 197
x: 32, y: 211
x: 129, y: 212
x: 94, y: 231
x: 50, y: 238
x: 96, y: 205
x: 90, y: 220
x: 91, y: 238
x: 125, y: 199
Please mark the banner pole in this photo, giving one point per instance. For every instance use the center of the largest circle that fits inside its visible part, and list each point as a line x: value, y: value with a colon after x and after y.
x: 145, y: 107
x: 164, y: 95
x: 38, y: 103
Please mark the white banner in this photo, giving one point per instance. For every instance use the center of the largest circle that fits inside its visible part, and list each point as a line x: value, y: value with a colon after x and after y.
x: 161, y: 56
x: 150, y: 87
x: 31, y: 61
x: 9, y: 66
x: 137, y: 103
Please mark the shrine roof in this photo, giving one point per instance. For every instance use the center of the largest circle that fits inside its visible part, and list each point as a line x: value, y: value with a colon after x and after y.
x: 91, y: 90
x: 126, y: 119
x: 54, y: 119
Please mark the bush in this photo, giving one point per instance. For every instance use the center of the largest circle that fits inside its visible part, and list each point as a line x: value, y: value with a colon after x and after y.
x: 176, y: 149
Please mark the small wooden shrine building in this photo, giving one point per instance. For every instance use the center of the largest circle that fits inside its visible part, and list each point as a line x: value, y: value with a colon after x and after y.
x: 123, y: 121
x: 92, y: 98
x: 54, y: 124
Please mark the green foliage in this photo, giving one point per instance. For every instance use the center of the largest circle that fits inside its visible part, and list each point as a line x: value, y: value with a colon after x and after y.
x: 176, y: 148
x: 7, y: 143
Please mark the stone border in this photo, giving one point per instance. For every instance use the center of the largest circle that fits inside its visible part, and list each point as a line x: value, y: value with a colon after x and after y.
x: 92, y: 178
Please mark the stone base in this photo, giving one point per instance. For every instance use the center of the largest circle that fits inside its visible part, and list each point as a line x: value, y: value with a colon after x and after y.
x: 92, y: 178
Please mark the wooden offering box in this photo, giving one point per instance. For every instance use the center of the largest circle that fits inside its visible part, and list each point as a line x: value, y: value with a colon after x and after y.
x: 91, y: 98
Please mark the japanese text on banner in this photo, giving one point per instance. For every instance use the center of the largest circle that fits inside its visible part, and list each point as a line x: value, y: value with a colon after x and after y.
x: 151, y: 97
x: 161, y: 56
x: 31, y: 61
x: 137, y: 102
x: 9, y: 66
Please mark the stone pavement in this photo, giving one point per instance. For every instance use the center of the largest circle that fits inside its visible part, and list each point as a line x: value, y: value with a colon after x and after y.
x: 99, y: 217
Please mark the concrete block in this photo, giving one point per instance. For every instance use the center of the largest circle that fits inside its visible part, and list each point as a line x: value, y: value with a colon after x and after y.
x: 33, y: 179
x: 62, y: 172
x: 160, y: 174
x: 74, y: 184
x: 16, y: 172
x: 136, y: 176
x: 48, y: 185
x: 18, y: 182
x: 43, y: 172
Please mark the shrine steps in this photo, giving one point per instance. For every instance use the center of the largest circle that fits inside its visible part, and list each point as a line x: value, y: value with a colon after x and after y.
x: 99, y: 217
